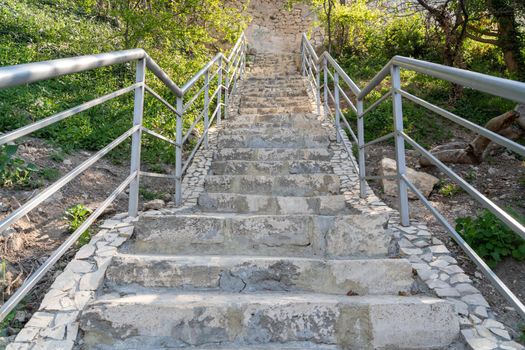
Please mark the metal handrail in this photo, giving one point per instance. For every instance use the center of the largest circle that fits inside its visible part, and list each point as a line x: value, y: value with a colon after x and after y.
x: 505, y: 88
x: 11, y: 76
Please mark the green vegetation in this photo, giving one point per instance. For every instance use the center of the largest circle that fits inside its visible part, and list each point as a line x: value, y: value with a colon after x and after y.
x: 180, y: 36
x: 76, y: 215
x: 14, y: 171
x: 490, y: 238
x: 149, y: 195
x: 364, y: 35
x: 449, y: 189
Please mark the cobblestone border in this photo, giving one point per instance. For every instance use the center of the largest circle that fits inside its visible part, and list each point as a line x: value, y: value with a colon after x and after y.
x: 55, y: 324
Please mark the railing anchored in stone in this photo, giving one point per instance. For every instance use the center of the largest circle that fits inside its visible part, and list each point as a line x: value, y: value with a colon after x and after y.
x: 312, y: 66
x: 225, y: 70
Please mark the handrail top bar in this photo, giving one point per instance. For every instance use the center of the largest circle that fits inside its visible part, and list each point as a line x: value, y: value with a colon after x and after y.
x: 26, y: 73
x: 200, y: 73
x: 355, y: 89
x: 506, y: 88
x: 32, y: 72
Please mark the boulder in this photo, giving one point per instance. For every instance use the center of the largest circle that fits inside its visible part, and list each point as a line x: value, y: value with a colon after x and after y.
x: 423, y: 181
x: 155, y: 204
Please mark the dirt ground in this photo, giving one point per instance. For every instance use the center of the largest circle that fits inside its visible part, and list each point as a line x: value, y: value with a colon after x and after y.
x: 501, y: 178
x: 29, y: 242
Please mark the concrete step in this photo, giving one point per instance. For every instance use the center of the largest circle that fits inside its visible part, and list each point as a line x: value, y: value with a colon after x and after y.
x: 274, y: 92
x: 283, y: 167
x: 343, y: 236
x: 271, y: 154
x: 159, y: 343
x: 291, y: 118
x: 272, y: 205
x: 278, y: 109
x: 250, y: 123
x: 269, y: 103
x: 273, y: 141
x: 301, y: 185
x: 250, y: 274
x: 311, y: 129
x: 197, y: 319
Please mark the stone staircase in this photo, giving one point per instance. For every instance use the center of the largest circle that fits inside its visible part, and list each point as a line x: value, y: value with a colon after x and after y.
x: 273, y: 257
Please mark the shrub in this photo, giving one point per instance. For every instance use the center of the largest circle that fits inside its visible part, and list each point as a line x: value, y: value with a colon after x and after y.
x: 490, y: 238
x: 14, y: 171
x: 77, y: 215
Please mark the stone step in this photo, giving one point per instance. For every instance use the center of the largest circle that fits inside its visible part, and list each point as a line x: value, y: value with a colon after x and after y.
x: 275, y: 110
x: 270, y: 154
x: 353, y: 235
x: 273, y: 141
x: 197, y: 319
x: 283, y: 167
x: 250, y: 274
x: 302, y: 185
x: 271, y: 205
x: 274, y: 92
x: 274, y: 99
x: 311, y: 129
x: 159, y: 343
x: 270, y: 103
x: 306, y: 122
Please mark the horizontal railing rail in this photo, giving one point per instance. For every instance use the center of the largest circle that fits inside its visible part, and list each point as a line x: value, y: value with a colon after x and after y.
x: 313, y: 65
x: 221, y: 72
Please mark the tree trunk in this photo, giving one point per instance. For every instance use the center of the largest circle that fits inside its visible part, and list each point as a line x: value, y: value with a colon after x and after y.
x: 509, y: 36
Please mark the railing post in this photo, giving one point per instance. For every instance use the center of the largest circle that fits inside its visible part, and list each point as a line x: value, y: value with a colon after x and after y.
x: 303, y: 60
x: 243, y: 58
x: 361, y: 148
x: 219, y: 92
x: 138, y: 113
x: 325, y: 89
x: 400, y: 145
x: 178, y: 151
x: 227, y: 90
x: 337, y: 107
x: 318, y: 81
x: 206, y: 107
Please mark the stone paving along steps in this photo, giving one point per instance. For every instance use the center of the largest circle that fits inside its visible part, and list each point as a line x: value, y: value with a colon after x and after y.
x: 273, y: 256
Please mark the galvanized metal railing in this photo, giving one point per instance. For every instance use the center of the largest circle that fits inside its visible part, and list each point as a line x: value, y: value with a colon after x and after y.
x: 312, y: 66
x: 226, y: 71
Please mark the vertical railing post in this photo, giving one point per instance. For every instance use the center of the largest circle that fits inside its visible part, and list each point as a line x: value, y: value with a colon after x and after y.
x: 303, y: 58
x: 227, y: 90
x: 243, y: 58
x: 178, y: 151
x: 337, y: 107
x: 136, y: 139
x: 219, y: 92
x: 325, y: 89
x: 400, y: 145
x: 361, y: 148
x: 318, y: 81
x: 206, y: 106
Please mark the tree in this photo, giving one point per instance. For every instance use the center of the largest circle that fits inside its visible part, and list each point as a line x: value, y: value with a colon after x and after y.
x: 497, y: 25
x: 452, y: 18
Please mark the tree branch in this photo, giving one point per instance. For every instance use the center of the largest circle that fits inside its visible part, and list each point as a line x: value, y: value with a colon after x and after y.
x: 483, y: 40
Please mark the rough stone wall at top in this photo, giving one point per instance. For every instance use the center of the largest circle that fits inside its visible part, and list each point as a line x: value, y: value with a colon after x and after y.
x: 275, y: 29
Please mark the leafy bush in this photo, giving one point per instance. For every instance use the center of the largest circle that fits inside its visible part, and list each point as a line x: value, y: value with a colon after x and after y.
x: 14, y: 171
x: 406, y: 38
x: 491, y: 238
x: 449, y: 189
x: 76, y: 216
